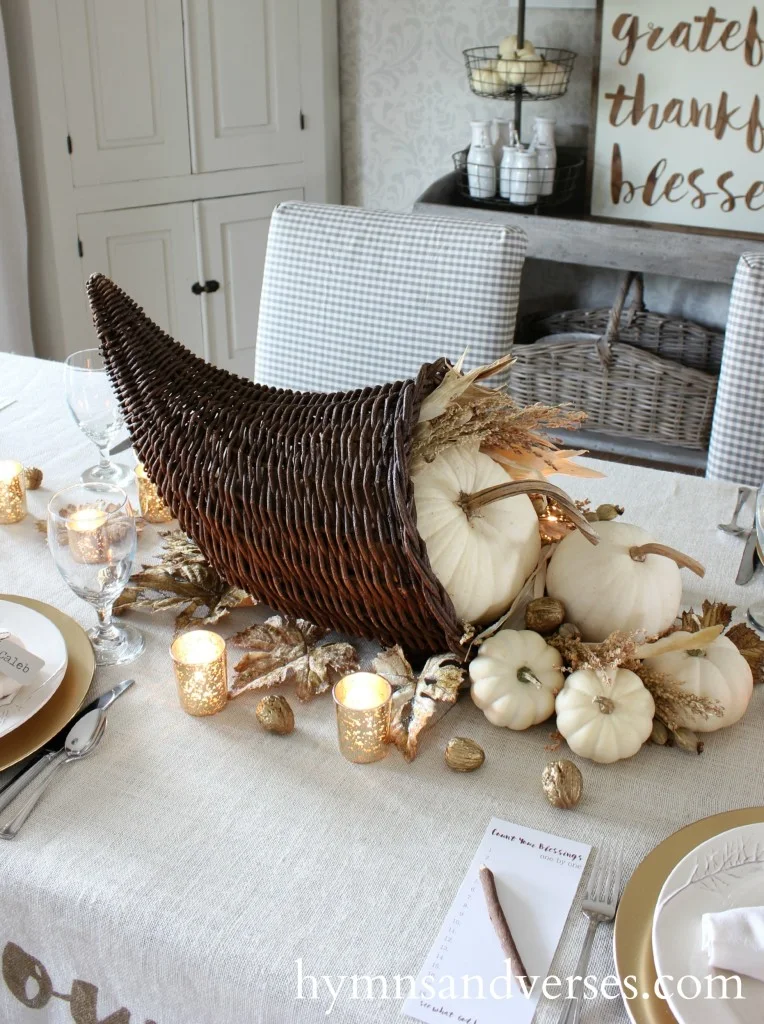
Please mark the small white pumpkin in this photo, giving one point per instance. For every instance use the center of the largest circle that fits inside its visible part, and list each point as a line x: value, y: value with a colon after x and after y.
x: 622, y: 583
x: 515, y: 678
x: 482, y: 559
x: 487, y: 81
x: 605, y: 720
x: 548, y: 81
x: 508, y: 47
x: 718, y: 672
x: 517, y: 70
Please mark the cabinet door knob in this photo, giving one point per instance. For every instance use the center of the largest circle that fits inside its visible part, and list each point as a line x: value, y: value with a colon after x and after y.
x: 208, y: 286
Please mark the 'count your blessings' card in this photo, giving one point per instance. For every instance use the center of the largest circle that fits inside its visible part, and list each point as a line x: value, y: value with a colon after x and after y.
x: 464, y: 978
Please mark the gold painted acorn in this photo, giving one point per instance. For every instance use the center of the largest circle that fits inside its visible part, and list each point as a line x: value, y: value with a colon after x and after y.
x: 544, y: 615
x: 563, y: 784
x: 32, y: 477
x: 275, y: 715
x: 463, y: 755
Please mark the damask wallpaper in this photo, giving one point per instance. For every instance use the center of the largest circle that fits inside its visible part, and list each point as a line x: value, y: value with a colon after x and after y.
x: 406, y: 104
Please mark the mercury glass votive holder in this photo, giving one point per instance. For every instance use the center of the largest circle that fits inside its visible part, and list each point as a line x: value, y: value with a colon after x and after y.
x: 13, y: 492
x: 363, y: 702
x: 153, y: 509
x: 200, y: 671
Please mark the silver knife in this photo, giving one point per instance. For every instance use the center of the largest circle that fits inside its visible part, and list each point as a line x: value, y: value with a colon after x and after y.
x: 20, y: 783
x: 748, y: 561
x: 123, y: 446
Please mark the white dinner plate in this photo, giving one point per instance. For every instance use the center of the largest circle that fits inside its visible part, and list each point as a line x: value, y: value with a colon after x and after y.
x: 42, y: 638
x: 724, y: 873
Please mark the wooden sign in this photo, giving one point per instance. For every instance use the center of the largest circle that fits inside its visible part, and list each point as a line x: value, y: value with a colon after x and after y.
x: 679, y: 125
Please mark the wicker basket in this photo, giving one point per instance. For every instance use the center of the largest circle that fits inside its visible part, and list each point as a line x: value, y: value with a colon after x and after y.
x: 303, y: 500
x: 637, y: 373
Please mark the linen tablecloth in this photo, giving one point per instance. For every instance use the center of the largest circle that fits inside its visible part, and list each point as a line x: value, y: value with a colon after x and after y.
x: 183, y: 873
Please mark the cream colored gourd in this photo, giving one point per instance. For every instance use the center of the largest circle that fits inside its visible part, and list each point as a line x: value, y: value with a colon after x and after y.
x: 515, y: 678
x: 508, y: 47
x: 605, y: 720
x: 622, y: 583
x: 482, y: 559
x: 517, y: 70
x: 718, y: 672
x: 546, y: 80
x: 488, y: 81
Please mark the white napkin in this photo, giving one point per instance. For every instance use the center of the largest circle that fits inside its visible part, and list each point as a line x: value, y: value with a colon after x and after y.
x: 9, y: 687
x: 734, y: 941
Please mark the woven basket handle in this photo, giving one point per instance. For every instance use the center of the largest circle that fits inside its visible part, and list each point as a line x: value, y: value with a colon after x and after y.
x: 604, y: 344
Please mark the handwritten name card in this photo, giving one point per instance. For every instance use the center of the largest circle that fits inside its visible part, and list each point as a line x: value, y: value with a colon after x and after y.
x: 679, y: 125
x: 464, y: 978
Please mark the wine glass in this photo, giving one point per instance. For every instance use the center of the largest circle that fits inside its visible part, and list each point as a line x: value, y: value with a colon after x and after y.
x: 96, y: 412
x: 91, y: 535
x: 756, y: 611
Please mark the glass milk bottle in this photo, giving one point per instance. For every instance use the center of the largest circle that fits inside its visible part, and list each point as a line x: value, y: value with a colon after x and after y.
x: 546, y: 153
x: 505, y: 171
x: 504, y: 134
x: 523, y: 178
x: 481, y: 168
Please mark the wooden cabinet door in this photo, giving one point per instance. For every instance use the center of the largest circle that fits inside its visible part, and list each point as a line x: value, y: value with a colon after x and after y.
x: 151, y: 253
x: 233, y: 235
x: 244, y: 83
x: 125, y: 87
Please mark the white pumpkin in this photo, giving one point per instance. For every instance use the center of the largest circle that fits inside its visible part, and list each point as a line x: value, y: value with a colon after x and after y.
x: 517, y: 70
x: 515, y: 678
x: 718, y: 672
x: 488, y: 81
x: 615, y: 585
x: 508, y: 47
x: 605, y: 720
x: 483, y: 559
x: 547, y: 80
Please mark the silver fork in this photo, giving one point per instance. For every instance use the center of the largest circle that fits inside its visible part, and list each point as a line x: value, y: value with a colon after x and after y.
x: 602, y: 894
x: 743, y: 494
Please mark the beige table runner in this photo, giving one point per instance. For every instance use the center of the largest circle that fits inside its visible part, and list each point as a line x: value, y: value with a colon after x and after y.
x: 184, y: 873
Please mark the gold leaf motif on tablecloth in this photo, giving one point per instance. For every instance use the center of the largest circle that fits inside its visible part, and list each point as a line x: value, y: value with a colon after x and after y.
x: 282, y: 650
x: 183, y: 581
x: 751, y: 646
x: 419, y: 701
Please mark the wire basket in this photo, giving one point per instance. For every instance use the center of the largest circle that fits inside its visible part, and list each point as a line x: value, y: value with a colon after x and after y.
x: 521, y: 189
x: 544, y: 75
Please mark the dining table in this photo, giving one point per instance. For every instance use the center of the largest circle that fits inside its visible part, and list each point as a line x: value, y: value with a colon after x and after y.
x: 204, y: 871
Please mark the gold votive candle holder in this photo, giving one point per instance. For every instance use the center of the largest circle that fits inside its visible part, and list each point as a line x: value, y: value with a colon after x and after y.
x: 153, y: 509
x: 363, y: 702
x: 13, y: 492
x: 201, y: 671
x: 87, y: 535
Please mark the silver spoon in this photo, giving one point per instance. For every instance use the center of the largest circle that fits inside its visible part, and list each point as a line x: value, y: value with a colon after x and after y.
x: 82, y: 739
x: 743, y: 494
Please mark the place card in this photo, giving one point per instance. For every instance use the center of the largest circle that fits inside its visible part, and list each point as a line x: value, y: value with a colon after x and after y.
x: 464, y: 978
x: 17, y: 662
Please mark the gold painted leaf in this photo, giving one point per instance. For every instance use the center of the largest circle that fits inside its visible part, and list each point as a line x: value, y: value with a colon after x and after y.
x: 281, y: 650
x: 712, y: 614
x: 418, y: 701
x: 751, y: 646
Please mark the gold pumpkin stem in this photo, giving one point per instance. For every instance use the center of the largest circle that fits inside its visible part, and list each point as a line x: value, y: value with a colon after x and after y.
x: 605, y: 704
x: 472, y: 503
x: 641, y: 551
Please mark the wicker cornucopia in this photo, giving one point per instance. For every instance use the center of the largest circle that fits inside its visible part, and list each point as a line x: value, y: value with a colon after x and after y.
x: 303, y: 500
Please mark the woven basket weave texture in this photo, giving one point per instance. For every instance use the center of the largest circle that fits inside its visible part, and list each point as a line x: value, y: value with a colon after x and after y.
x: 304, y: 500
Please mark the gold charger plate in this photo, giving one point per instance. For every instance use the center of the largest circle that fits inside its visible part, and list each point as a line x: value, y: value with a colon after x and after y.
x: 632, y: 938
x: 68, y: 698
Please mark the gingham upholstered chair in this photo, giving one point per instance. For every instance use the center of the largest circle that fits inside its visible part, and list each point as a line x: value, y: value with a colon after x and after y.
x: 353, y: 297
x: 736, y: 450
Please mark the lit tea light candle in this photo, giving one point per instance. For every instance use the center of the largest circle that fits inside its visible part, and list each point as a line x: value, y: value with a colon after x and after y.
x: 13, y: 496
x: 363, y: 702
x: 200, y: 671
x: 88, y: 541
x: 153, y: 509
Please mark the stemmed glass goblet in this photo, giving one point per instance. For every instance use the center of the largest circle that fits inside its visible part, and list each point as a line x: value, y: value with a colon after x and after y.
x: 92, y: 537
x: 96, y: 412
